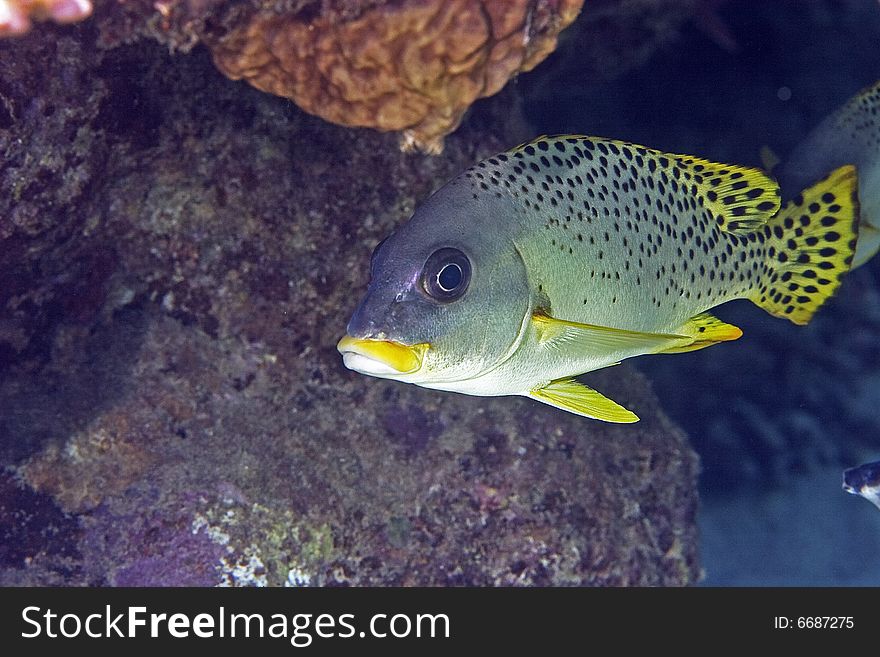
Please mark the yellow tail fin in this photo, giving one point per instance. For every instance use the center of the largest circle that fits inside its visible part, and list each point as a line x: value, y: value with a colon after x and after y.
x: 810, y: 245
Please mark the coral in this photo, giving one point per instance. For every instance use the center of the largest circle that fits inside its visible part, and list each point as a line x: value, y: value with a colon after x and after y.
x: 16, y: 15
x: 410, y: 66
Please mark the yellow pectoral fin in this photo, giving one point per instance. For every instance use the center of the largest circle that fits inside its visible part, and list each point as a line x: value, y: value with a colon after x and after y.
x: 572, y: 396
x: 590, y: 338
x: 704, y: 331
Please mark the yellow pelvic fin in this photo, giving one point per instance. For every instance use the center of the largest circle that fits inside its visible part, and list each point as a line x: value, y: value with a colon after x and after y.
x: 572, y: 396
x: 705, y: 330
x: 739, y: 198
x: 586, y: 339
x: 810, y: 246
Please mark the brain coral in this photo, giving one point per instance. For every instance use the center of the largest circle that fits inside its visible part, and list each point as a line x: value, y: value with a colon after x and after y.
x: 413, y: 66
x: 16, y: 15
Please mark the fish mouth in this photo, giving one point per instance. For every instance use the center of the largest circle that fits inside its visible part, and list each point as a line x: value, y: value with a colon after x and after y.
x: 381, y: 357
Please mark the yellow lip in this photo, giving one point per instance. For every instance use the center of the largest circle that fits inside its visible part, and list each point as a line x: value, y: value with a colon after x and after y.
x: 400, y: 357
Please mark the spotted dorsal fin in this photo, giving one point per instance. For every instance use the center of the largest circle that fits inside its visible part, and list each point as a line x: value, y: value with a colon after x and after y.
x: 584, y: 339
x: 740, y: 199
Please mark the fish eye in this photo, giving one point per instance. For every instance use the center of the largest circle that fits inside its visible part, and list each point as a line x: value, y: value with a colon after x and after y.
x: 446, y: 275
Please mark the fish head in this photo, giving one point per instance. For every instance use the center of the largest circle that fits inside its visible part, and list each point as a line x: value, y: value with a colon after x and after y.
x: 448, y: 298
x: 862, y: 478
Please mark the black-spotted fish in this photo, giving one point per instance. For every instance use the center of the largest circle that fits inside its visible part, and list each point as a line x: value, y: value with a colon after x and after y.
x: 569, y: 254
x: 864, y: 481
x: 851, y: 135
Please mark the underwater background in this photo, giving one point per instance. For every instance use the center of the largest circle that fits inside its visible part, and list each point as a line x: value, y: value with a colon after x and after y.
x: 180, y: 252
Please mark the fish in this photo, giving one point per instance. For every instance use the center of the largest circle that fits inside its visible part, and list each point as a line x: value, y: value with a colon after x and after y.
x: 569, y: 254
x: 850, y: 135
x: 864, y: 480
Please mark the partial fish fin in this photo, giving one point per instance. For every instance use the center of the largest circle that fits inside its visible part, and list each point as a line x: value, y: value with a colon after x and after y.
x: 868, y: 244
x: 850, y: 135
x: 572, y: 396
x: 741, y: 199
x: 589, y: 338
x: 769, y: 159
x: 705, y: 330
x: 810, y: 246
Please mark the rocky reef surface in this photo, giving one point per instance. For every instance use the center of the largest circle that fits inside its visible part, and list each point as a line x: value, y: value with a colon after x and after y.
x: 178, y: 255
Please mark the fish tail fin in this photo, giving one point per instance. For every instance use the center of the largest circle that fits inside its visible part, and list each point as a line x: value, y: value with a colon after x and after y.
x: 810, y: 245
x: 868, y: 244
